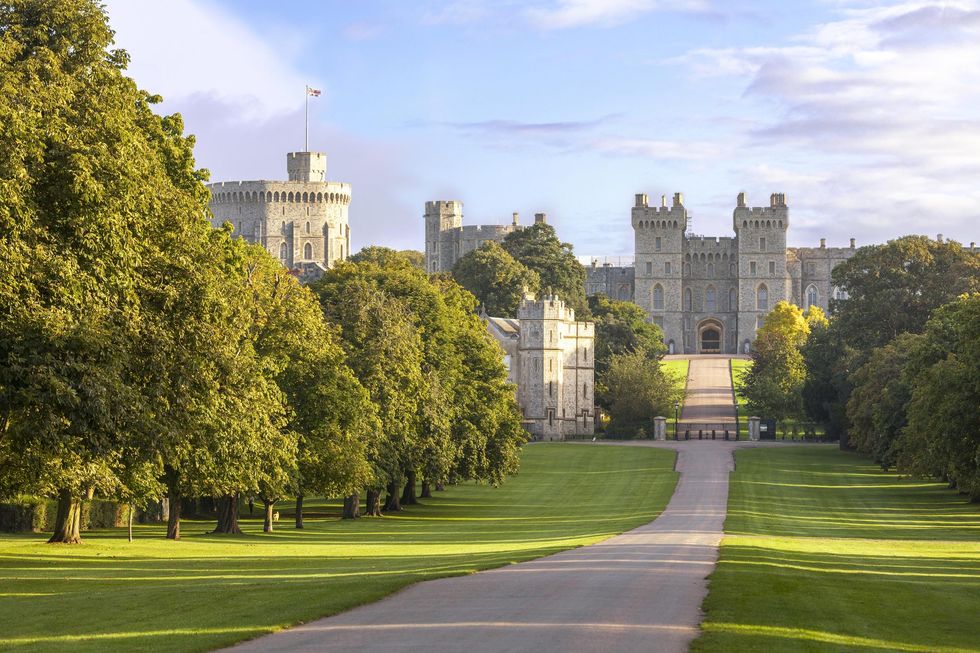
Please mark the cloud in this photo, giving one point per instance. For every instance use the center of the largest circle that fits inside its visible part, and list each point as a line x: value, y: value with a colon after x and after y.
x: 184, y: 48
x: 564, y: 14
x: 364, y: 31
x: 872, y: 116
x: 665, y: 150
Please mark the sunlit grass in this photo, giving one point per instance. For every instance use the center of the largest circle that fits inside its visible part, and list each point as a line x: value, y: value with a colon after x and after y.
x: 207, y: 591
x: 825, y: 552
x: 678, y: 368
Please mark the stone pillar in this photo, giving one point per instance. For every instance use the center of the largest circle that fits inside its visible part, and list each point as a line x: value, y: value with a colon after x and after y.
x: 754, y: 428
x: 659, y: 428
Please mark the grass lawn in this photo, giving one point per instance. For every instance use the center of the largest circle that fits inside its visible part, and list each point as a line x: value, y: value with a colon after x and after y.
x: 679, y: 369
x: 824, y: 552
x: 206, y: 591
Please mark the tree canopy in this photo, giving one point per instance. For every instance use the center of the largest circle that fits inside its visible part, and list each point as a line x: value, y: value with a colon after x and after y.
x: 496, y: 279
x: 537, y: 248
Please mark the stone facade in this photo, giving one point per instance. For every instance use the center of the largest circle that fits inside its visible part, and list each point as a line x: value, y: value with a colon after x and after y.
x: 551, y: 358
x: 447, y: 239
x: 303, y: 221
x: 711, y: 294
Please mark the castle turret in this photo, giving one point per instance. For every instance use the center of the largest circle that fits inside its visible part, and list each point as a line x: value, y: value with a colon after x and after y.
x: 659, y: 247
x: 440, y: 216
x: 306, y: 166
x: 763, y: 277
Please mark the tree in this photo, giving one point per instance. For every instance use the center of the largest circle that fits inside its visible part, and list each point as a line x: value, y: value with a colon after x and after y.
x: 387, y: 257
x: 895, y: 287
x: 828, y: 363
x: 876, y: 409
x: 90, y: 177
x: 537, y: 248
x: 787, y: 321
x: 497, y: 280
x: 773, y: 385
x: 639, y: 390
x: 942, y: 437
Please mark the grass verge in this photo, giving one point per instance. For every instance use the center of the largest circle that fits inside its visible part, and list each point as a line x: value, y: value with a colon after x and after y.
x: 824, y: 552
x: 207, y: 591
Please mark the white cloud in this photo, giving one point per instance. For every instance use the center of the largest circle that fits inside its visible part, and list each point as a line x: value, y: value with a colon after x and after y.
x: 876, y: 110
x: 564, y: 14
x: 183, y: 48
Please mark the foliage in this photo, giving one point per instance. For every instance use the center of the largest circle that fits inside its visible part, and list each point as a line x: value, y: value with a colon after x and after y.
x: 387, y: 257
x: 497, y: 280
x: 942, y: 438
x: 773, y: 385
x: 638, y: 390
x: 786, y: 321
x: 537, y: 248
x: 827, y: 385
x: 895, y: 287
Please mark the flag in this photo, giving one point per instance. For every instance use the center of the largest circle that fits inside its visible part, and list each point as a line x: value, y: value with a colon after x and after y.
x: 313, y: 91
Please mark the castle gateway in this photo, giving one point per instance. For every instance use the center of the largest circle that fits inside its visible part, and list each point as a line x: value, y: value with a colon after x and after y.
x: 709, y: 295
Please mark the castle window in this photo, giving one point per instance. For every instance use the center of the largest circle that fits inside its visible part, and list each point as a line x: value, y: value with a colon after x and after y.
x: 687, y: 269
x: 283, y: 252
x: 688, y: 300
x: 551, y: 389
x: 658, y: 298
x: 752, y: 267
x: 308, y: 251
x: 772, y: 267
x: 732, y: 299
x: 667, y: 267
x: 658, y: 244
x: 762, y: 298
x: 711, y: 269
x: 760, y: 321
x: 624, y: 293
x: 732, y: 269
x: 811, y: 296
x: 307, y: 226
x: 709, y: 300
x: 762, y: 243
x: 585, y: 389
x: 649, y: 268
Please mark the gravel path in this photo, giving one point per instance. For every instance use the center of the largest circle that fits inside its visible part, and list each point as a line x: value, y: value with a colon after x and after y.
x: 709, y: 391
x: 639, y: 591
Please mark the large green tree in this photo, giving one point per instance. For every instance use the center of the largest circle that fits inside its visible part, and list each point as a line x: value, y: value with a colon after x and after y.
x: 497, y: 280
x: 638, y: 390
x: 773, y: 385
x: 537, y: 248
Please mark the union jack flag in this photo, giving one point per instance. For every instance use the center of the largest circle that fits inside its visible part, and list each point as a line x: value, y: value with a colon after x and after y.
x: 315, y: 92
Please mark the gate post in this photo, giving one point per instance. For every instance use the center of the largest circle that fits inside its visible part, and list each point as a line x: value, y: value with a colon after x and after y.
x: 754, y: 428
x: 659, y: 428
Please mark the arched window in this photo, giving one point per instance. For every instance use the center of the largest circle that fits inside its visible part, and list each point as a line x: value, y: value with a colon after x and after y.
x: 732, y: 299
x: 811, y: 295
x: 307, y: 227
x: 687, y: 269
x: 710, y: 301
x: 624, y: 292
x: 762, y: 298
x: 688, y: 300
x: 732, y: 269
x: 308, y: 251
x: 283, y: 252
x: 711, y: 269
x: 658, y: 297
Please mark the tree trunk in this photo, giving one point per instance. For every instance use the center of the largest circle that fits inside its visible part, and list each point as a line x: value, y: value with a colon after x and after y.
x: 67, y: 525
x: 269, y: 505
x: 251, y: 506
x: 176, y: 506
x: 440, y: 487
x: 352, y: 506
x: 392, y: 502
x: 299, y: 511
x: 130, y: 522
x: 426, y: 490
x: 228, y: 515
x: 373, y: 503
x: 408, y: 494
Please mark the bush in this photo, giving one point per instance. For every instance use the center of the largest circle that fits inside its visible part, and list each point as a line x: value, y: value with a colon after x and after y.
x: 27, y: 514
x: 103, y: 514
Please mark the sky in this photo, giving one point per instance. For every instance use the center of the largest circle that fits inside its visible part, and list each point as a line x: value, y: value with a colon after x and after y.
x: 865, y: 114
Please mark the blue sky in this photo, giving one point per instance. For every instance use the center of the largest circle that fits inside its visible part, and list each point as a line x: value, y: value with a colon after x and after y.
x: 866, y: 114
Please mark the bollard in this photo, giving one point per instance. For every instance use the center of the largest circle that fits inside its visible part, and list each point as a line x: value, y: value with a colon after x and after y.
x: 712, y: 434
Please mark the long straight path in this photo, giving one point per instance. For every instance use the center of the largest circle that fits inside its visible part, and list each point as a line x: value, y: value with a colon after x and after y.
x: 709, y: 390
x: 639, y: 591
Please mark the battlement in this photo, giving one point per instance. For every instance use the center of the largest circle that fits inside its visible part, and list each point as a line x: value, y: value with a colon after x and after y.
x: 645, y: 216
x: 774, y: 216
x: 484, y: 230
x: 547, y: 307
x: 711, y: 243
x: 435, y: 207
x: 265, y: 192
x: 306, y: 166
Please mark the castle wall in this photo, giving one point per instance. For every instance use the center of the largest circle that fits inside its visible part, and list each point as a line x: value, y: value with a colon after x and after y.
x: 446, y: 238
x: 616, y: 282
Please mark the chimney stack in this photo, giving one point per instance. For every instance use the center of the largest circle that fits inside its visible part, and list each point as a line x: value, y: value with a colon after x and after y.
x: 852, y: 243
x: 540, y: 218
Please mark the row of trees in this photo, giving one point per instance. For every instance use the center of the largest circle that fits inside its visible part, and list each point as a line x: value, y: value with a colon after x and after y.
x: 145, y: 354
x: 896, y: 371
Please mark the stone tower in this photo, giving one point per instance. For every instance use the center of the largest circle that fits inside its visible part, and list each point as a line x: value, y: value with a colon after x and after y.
x: 659, y: 250
x: 762, y: 275
x: 440, y: 216
x: 303, y: 221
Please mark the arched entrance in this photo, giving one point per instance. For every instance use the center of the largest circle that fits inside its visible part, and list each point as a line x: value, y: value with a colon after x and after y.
x: 711, y: 336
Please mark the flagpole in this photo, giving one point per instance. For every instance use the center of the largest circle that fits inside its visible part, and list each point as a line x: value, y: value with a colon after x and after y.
x: 307, y: 121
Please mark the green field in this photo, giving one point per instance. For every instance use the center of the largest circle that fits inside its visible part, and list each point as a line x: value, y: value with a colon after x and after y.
x: 679, y: 369
x: 206, y: 591
x: 824, y: 552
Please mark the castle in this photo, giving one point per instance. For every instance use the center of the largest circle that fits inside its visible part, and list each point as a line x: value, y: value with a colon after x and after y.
x: 551, y: 358
x: 303, y: 222
x: 447, y: 239
x: 709, y: 295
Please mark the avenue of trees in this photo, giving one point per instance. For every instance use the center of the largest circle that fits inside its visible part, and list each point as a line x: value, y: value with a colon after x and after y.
x: 144, y: 354
x: 896, y: 371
